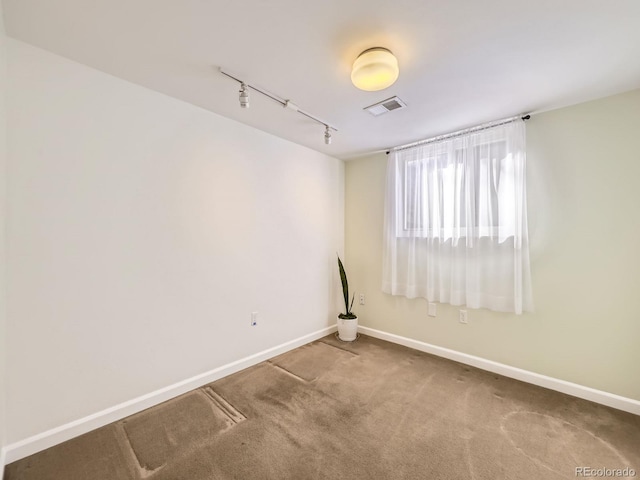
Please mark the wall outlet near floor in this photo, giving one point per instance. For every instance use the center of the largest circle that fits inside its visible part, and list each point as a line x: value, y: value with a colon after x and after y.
x: 362, y: 299
x: 432, y: 309
x: 463, y: 316
x: 254, y: 319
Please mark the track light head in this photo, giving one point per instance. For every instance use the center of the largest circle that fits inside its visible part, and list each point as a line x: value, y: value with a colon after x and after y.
x: 244, y: 96
x: 327, y: 135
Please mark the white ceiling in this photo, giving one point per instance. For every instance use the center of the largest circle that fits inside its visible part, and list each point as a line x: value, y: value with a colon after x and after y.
x: 462, y: 62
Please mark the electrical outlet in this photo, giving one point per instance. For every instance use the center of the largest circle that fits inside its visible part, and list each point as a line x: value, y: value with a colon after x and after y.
x: 362, y: 299
x: 463, y: 316
x: 432, y: 309
x: 254, y: 319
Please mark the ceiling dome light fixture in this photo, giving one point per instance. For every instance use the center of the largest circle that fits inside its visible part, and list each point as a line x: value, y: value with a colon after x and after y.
x: 375, y: 69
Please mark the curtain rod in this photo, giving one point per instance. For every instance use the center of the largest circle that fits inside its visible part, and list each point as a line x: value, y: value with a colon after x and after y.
x: 459, y: 133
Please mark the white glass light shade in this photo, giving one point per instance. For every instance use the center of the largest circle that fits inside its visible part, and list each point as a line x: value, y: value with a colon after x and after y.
x: 375, y: 69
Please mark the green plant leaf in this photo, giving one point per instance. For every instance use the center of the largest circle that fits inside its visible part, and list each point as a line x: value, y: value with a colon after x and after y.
x: 345, y: 286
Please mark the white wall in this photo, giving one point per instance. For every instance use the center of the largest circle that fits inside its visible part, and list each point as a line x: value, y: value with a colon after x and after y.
x: 3, y: 170
x: 142, y: 232
x: 584, y: 216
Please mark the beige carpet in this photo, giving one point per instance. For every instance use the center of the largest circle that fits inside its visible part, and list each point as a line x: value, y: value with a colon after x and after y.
x: 365, y: 410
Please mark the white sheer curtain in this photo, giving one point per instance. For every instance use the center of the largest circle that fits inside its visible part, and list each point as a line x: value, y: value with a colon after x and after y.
x: 455, y: 228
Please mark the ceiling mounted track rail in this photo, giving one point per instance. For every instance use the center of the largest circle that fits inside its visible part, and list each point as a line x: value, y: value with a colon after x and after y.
x: 244, y: 103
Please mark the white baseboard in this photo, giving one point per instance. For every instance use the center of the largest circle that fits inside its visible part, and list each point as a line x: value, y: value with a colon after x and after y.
x: 29, y: 446
x: 609, y: 399
x: 3, y: 454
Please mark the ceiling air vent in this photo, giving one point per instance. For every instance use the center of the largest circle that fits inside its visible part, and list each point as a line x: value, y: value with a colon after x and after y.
x: 393, y: 103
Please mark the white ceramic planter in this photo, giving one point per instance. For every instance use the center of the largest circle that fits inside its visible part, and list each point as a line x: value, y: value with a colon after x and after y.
x: 347, y: 329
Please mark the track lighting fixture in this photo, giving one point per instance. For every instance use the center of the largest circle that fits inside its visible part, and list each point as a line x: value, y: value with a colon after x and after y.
x: 244, y: 103
x: 244, y: 96
x: 327, y: 135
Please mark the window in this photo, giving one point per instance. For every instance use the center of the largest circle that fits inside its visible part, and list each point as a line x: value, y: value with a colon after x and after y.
x: 455, y: 215
x: 434, y: 197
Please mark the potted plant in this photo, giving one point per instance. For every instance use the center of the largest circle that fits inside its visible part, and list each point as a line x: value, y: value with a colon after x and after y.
x: 348, y: 321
